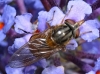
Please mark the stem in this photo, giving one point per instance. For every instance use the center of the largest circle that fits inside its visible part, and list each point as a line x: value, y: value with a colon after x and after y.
x: 95, y: 5
x: 82, y: 65
x: 46, y: 4
x: 96, y: 11
x: 87, y: 55
x: 21, y: 6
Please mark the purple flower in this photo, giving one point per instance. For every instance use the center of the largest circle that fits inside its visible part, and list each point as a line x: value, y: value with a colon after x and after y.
x: 8, y: 15
x: 42, y: 20
x: 91, y: 47
x: 53, y: 19
x: 22, y: 22
x: 41, y: 63
x: 47, y: 17
x: 30, y: 69
x: 53, y: 70
x: 92, y: 26
x: 18, y: 43
x: 10, y: 70
x: 78, y: 11
x: 72, y: 45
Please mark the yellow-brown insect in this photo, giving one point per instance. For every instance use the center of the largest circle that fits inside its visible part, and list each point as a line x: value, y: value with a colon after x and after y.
x: 42, y: 45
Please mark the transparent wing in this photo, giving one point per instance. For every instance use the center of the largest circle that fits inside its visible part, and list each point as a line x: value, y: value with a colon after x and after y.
x: 22, y: 57
x: 30, y: 53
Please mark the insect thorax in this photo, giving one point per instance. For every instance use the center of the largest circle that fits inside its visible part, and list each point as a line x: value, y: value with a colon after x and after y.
x: 62, y: 34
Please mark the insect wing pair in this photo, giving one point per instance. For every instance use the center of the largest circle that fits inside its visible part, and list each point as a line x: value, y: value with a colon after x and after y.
x: 31, y: 52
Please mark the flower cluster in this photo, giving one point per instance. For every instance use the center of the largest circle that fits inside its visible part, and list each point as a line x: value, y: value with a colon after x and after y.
x: 76, y: 10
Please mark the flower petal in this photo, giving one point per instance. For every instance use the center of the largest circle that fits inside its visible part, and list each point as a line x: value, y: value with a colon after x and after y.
x: 42, y: 20
x: 10, y: 70
x: 30, y: 69
x: 72, y: 45
x: 38, y: 4
x: 23, y: 22
x: 8, y: 16
x: 56, y: 14
x: 50, y: 17
x: 2, y: 36
x: 92, y: 26
x: 78, y: 11
x: 4, y: 43
x: 6, y: 1
x: 41, y: 63
x: 21, y: 41
x: 97, y: 65
x: 53, y: 70
x: 91, y: 72
x: 18, y: 43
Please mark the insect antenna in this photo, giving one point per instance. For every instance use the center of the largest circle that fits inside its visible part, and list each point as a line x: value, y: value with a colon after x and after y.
x: 66, y: 14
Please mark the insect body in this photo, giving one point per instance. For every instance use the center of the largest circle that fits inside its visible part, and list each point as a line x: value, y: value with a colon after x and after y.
x: 42, y: 45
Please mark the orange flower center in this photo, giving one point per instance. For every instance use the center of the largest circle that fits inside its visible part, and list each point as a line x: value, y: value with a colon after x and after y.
x: 98, y: 72
x: 1, y: 25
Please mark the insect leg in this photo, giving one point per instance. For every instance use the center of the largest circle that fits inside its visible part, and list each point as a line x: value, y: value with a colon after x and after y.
x: 85, y: 32
x: 80, y: 40
x: 52, y: 17
x: 78, y: 24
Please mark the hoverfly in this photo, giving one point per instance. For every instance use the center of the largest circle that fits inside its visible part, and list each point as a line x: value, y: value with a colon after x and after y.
x: 42, y: 45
